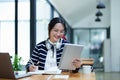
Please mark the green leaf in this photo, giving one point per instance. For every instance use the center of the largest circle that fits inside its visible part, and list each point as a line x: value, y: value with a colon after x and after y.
x: 16, y: 63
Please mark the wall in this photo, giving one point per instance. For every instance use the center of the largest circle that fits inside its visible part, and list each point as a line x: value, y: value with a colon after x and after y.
x: 115, y: 33
x: 107, y: 55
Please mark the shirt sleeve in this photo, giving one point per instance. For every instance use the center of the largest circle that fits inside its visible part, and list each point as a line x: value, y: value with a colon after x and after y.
x: 33, y: 59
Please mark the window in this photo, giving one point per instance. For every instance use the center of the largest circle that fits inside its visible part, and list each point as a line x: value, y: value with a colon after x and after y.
x: 24, y: 30
x: 7, y: 28
x: 43, y: 18
x: 92, y: 39
x: 56, y: 14
x: 7, y: 37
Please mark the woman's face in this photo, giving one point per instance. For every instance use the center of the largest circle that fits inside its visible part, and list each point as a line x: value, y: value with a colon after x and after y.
x: 57, y: 32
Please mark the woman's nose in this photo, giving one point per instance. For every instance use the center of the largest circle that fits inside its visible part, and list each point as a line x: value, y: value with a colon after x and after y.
x: 58, y: 33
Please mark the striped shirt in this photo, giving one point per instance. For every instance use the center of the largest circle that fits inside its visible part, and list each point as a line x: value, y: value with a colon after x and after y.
x: 40, y: 54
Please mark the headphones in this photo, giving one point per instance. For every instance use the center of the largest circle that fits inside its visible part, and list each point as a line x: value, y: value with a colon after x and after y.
x: 49, y: 44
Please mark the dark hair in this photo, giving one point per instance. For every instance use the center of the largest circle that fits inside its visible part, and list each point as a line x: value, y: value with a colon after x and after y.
x: 55, y: 21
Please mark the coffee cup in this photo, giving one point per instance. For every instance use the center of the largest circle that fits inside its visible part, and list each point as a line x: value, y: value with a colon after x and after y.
x: 87, y: 69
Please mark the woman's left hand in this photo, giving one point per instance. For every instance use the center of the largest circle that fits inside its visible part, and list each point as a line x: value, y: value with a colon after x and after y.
x: 77, y: 63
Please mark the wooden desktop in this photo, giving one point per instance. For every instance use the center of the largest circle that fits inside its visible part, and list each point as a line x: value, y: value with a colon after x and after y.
x: 72, y: 76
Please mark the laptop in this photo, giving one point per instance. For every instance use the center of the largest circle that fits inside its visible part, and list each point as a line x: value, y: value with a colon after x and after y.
x: 70, y: 52
x: 6, y: 69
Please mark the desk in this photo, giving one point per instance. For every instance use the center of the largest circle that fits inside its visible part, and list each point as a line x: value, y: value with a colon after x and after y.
x: 72, y: 76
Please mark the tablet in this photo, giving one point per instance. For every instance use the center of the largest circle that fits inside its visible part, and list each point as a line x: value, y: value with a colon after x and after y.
x: 70, y: 52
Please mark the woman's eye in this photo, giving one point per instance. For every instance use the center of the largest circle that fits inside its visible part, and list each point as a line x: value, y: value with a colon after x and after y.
x: 62, y: 31
x: 56, y: 30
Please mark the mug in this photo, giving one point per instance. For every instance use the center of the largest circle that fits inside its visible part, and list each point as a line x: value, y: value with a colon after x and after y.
x: 87, y: 69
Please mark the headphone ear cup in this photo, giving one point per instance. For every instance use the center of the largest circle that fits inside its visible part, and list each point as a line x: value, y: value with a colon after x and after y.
x: 48, y: 46
x: 58, y: 45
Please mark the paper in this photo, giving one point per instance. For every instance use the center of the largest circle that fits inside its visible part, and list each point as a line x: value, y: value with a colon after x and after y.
x: 38, y: 72
x: 65, y: 77
x: 52, y: 72
x: 45, y: 72
x: 20, y: 74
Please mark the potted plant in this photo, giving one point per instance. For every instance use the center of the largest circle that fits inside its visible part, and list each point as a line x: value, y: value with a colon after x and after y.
x: 17, y: 63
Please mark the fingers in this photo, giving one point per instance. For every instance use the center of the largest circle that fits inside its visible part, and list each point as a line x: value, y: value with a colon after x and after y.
x: 76, y: 63
x: 32, y: 68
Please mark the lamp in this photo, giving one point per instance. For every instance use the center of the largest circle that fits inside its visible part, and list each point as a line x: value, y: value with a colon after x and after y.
x: 100, y: 5
x: 99, y: 13
x: 97, y: 19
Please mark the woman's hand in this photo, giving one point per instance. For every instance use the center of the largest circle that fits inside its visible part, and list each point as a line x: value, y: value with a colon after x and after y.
x: 33, y: 68
x: 77, y: 63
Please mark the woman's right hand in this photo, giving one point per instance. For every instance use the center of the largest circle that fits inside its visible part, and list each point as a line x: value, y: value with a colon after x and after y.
x: 33, y: 68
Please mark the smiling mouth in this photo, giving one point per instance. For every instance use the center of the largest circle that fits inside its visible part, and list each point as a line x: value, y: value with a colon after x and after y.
x: 57, y: 37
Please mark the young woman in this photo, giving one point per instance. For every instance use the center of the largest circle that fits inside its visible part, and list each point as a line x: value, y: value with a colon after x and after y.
x: 47, y: 53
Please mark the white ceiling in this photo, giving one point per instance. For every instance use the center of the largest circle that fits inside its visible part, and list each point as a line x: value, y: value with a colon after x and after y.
x: 81, y: 13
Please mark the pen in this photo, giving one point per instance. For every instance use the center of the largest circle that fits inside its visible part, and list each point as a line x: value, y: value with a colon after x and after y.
x: 37, y: 63
x: 33, y: 63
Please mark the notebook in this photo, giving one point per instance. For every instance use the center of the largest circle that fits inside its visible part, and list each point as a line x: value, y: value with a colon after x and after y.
x: 70, y: 52
x: 6, y: 69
